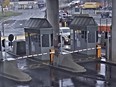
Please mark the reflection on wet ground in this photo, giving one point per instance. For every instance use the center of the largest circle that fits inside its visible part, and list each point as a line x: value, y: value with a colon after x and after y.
x: 97, y: 75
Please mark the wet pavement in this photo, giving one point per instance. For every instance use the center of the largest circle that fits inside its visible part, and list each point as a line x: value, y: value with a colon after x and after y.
x: 98, y: 75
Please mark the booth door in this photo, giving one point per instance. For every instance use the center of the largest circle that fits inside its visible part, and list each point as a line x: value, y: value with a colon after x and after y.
x: 33, y: 43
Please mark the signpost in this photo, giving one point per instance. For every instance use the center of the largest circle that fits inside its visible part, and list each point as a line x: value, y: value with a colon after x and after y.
x: 0, y: 48
x: 10, y: 38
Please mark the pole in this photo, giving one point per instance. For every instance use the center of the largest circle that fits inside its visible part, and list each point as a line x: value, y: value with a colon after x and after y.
x: 5, y: 41
x: 100, y: 27
x: 3, y: 28
x: 1, y: 3
x: 53, y: 17
x: 1, y: 49
x: 61, y: 41
x: 107, y: 43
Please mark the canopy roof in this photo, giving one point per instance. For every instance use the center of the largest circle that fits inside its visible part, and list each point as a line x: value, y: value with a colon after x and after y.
x: 82, y: 21
x: 37, y: 23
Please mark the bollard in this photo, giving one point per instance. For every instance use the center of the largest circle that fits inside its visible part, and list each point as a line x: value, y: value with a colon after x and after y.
x: 52, y: 51
x: 98, y: 51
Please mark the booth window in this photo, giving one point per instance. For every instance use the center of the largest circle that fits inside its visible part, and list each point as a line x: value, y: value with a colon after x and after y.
x: 51, y: 39
x: 35, y: 38
x: 39, y: 40
x: 91, y: 37
x: 96, y: 36
x: 76, y: 9
x: 84, y: 34
x: 45, y: 40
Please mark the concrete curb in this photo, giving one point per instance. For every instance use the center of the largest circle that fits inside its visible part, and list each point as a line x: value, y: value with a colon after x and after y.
x: 14, y: 78
x: 66, y: 63
x: 11, y: 71
x: 86, y: 61
x: 63, y: 69
x: 109, y: 62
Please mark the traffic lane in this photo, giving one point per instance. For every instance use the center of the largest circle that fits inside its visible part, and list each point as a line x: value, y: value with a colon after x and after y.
x: 6, y: 24
x: 20, y: 21
x: 12, y: 28
x: 19, y: 24
x: 106, y: 70
x: 26, y: 14
x: 45, y: 76
x: 16, y: 28
x: 41, y: 77
x: 15, y: 32
x: 15, y: 24
x: 29, y: 63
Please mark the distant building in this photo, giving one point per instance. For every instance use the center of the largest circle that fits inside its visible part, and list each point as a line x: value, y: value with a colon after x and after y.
x: 22, y: 4
x: 41, y: 3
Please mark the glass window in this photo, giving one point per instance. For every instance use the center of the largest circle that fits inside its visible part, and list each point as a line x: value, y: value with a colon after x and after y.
x: 51, y: 39
x: 34, y: 37
x: 76, y: 9
x: 91, y: 37
x: 45, y: 40
x: 65, y: 30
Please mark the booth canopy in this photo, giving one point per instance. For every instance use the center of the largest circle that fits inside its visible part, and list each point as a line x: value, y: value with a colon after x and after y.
x: 80, y: 22
x: 37, y: 23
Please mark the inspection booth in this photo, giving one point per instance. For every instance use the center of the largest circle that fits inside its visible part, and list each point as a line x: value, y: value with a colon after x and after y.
x: 76, y: 10
x: 84, y: 34
x: 39, y: 37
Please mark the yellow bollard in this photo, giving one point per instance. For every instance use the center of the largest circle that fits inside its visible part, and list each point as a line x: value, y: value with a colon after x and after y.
x: 52, y: 52
x: 98, y: 51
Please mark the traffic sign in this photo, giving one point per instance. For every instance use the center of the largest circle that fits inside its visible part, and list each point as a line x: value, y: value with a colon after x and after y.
x: 11, y: 37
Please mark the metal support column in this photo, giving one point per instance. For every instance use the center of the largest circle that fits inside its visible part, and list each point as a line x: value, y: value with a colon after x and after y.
x: 53, y: 16
x: 113, y: 31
